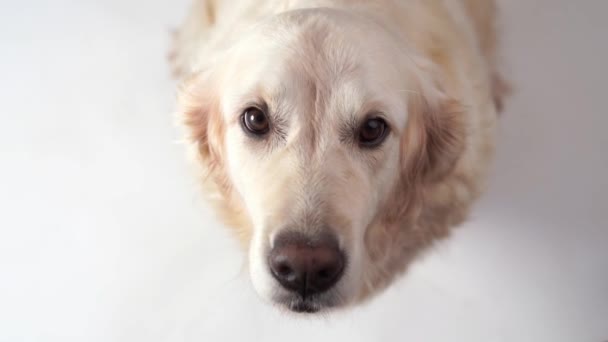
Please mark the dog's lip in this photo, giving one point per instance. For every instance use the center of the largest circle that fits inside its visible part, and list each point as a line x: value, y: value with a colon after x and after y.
x: 309, y: 305
x: 303, y: 307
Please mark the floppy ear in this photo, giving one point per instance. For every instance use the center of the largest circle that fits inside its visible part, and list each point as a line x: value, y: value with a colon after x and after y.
x: 199, y: 112
x: 431, y: 144
x: 435, y: 135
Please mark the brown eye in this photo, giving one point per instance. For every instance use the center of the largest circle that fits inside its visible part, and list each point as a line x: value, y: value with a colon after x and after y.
x: 256, y: 121
x: 372, y: 132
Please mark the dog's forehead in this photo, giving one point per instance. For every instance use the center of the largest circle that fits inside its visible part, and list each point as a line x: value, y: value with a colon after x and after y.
x: 309, y: 66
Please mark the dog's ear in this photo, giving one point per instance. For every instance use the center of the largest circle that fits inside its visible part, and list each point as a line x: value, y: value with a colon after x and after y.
x: 198, y: 110
x: 435, y: 135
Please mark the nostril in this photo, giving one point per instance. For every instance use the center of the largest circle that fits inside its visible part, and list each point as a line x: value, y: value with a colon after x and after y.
x: 284, y: 270
x: 328, y: 273
x: 324, y: 273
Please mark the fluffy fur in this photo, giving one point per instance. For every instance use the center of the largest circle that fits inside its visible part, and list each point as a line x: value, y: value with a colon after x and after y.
x: 429, y: 67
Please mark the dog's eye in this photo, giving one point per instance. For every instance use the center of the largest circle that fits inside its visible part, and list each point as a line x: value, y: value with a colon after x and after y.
x: 372, y: 132
x: 256, y: 121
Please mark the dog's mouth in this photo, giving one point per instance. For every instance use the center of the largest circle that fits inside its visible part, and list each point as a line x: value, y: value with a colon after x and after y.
x: 304, y: 306
x: 310, y: 304
x: 301, y: 305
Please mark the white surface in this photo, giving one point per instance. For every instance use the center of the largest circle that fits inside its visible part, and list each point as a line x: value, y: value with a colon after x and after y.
x: 104, y: 237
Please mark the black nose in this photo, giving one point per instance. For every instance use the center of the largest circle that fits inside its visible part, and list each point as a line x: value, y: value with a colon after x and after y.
x: 306, y: 265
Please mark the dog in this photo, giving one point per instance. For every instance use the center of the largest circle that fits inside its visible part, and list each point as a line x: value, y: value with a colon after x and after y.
x: 338, y: 138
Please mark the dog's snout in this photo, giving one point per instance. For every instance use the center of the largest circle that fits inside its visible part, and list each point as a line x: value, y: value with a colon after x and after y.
x: 306, y: 265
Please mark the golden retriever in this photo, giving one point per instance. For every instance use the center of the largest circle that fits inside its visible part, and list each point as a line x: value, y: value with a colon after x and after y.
x: 339, y: 138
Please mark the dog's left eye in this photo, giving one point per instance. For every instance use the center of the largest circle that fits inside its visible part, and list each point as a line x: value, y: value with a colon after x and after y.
x: 372, y: 132
x: 255, y: 121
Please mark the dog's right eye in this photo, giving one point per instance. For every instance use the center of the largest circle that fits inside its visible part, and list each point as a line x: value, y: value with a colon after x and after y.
x: 255, y: 121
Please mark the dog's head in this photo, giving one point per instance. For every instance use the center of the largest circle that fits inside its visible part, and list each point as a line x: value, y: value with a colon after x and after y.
x: 318, y: 134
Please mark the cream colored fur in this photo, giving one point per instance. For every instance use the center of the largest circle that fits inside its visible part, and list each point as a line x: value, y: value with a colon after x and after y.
x: 429, y: 66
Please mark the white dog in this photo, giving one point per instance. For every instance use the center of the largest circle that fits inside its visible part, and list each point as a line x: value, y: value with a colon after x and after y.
x: 340, y: 138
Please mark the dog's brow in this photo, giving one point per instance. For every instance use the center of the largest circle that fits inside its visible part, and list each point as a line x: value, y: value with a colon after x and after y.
x: 348, y: 128
x: 275, y: 100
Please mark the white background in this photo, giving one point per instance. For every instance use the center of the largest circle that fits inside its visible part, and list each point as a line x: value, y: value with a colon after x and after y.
x: 104, y: 236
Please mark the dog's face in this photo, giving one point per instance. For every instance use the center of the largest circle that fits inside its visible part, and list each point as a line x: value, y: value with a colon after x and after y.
x: 315, y: 148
